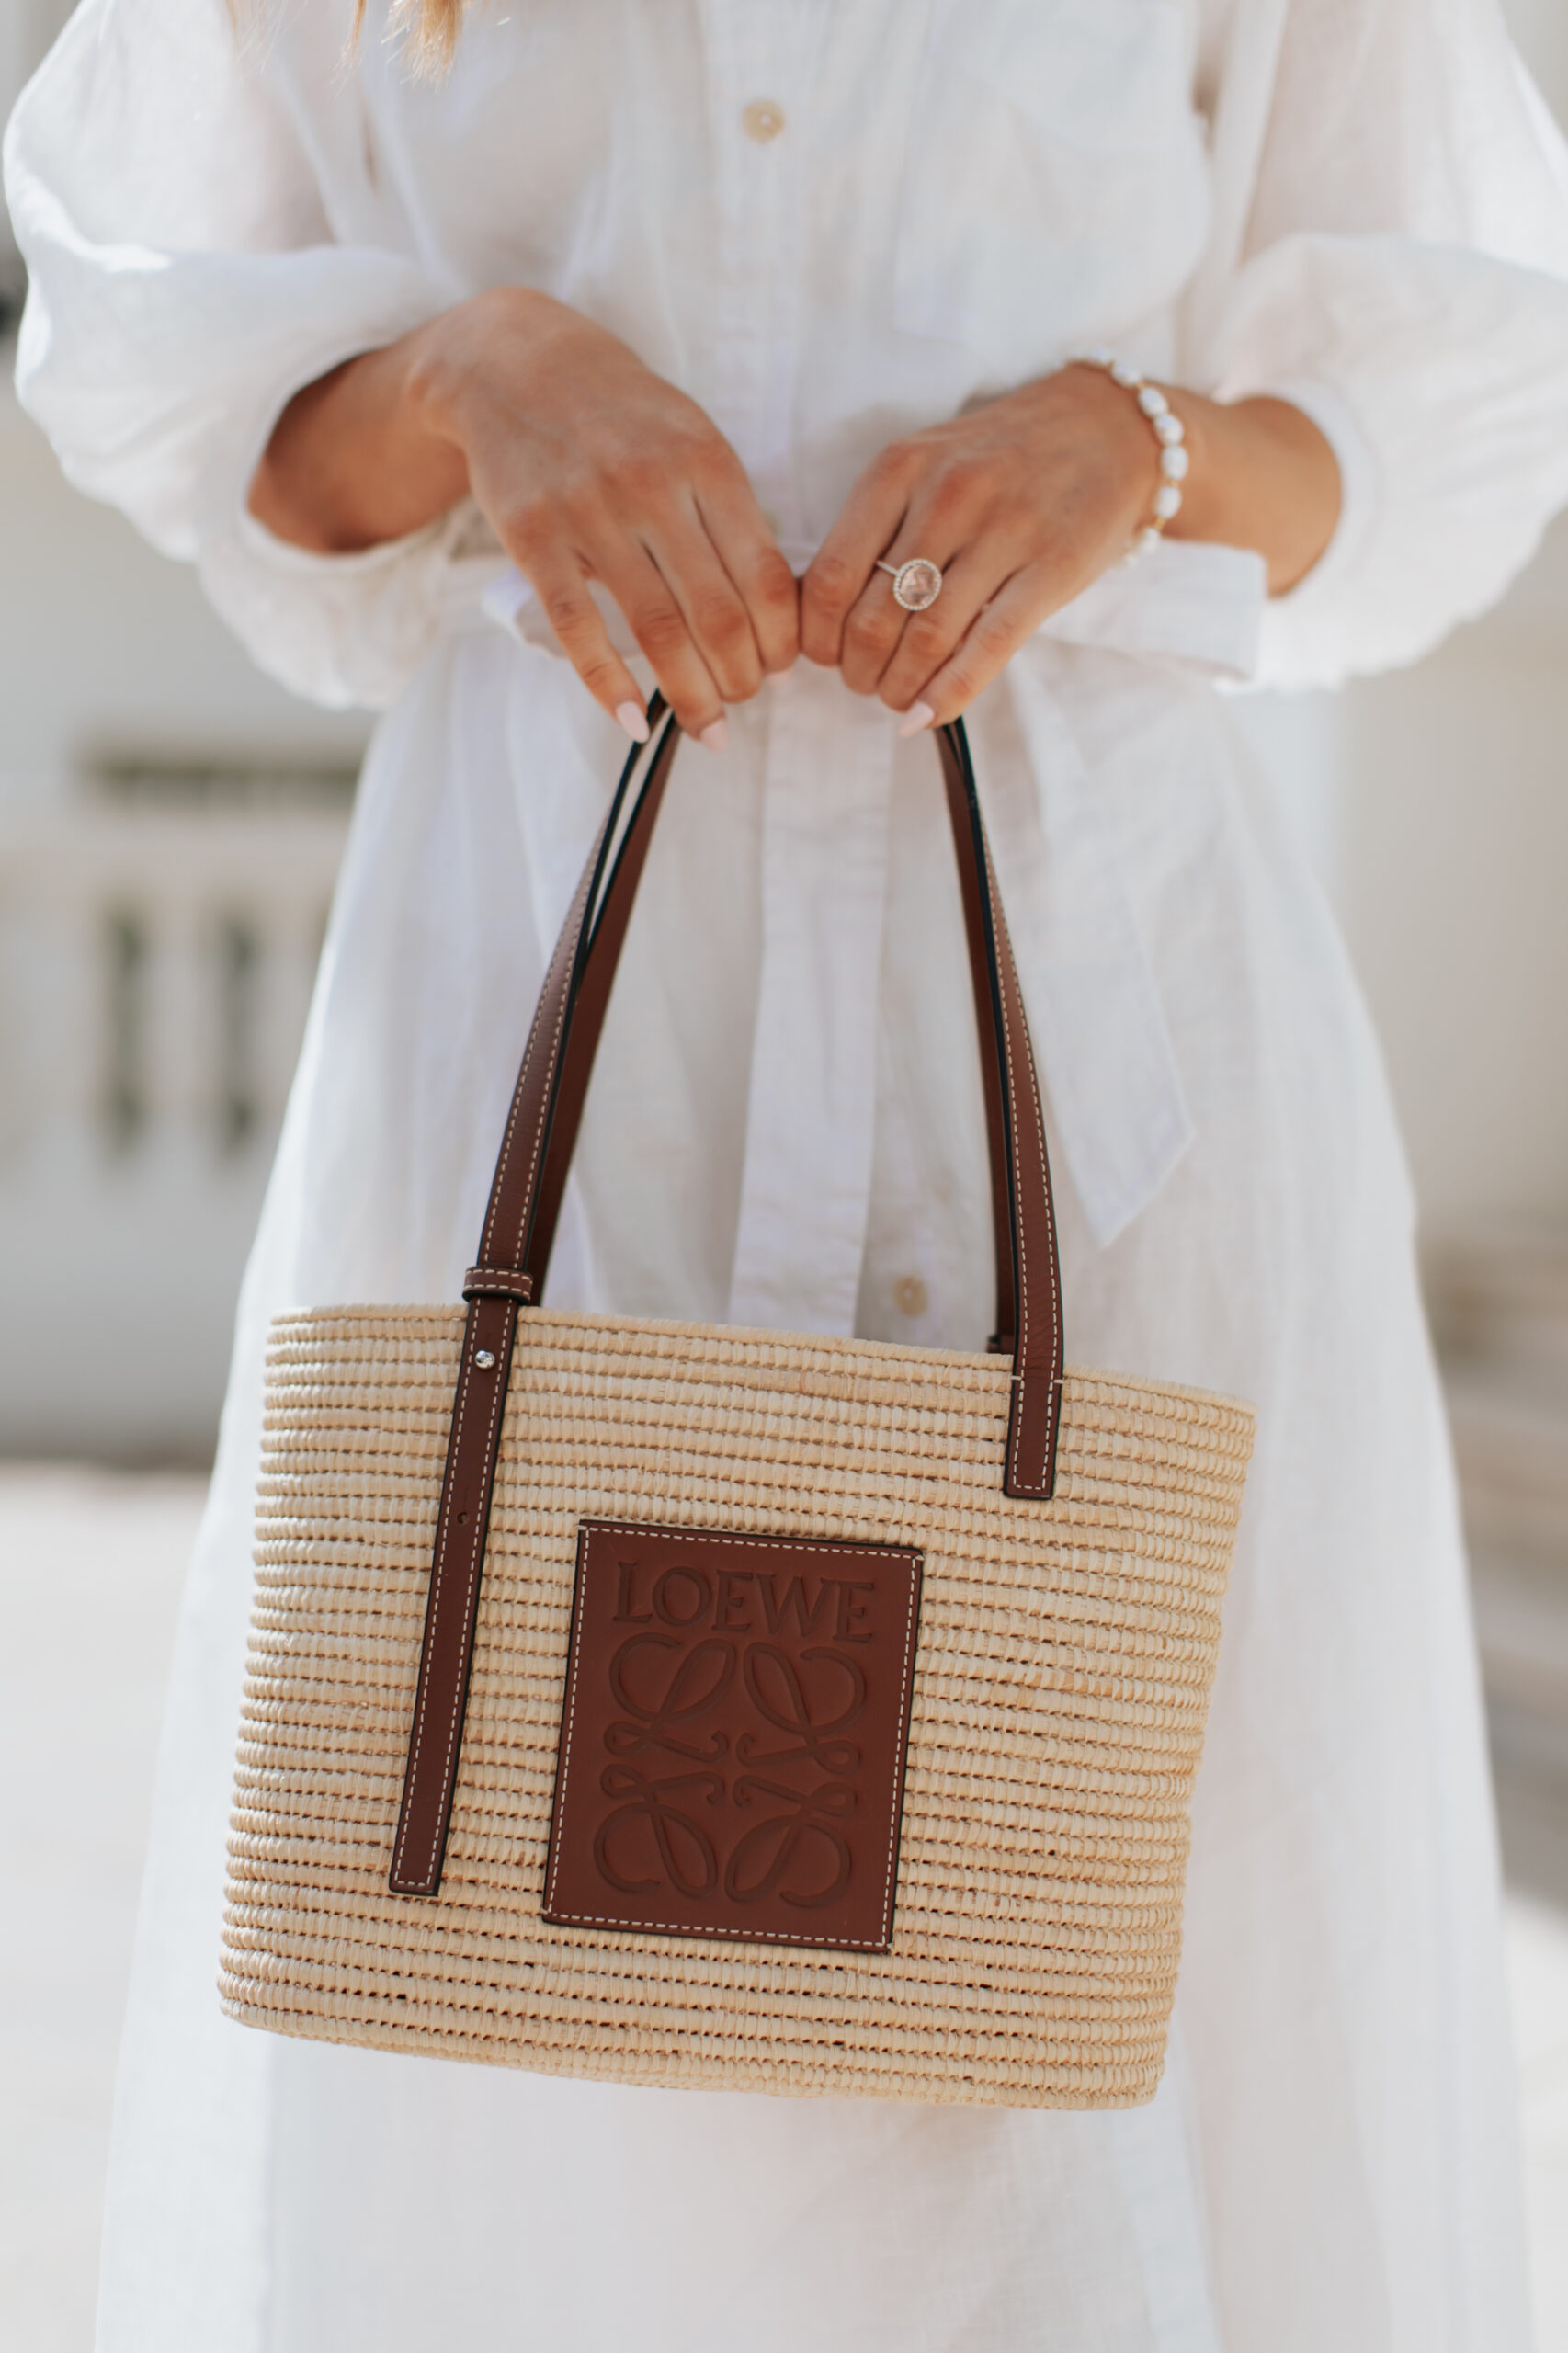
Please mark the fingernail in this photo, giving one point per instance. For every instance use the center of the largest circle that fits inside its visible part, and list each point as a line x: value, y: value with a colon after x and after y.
x: 634, y: 718
x: 716, y: 736
x: 916, y: 718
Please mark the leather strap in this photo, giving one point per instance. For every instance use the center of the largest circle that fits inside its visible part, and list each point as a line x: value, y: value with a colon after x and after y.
x: 525, y: 1201
x: 1030, y: 1465
x: 963, y: 815
x: 604, y: 953
x: 610, y: 915
x: 605, y: 945
x: 463, y: 1516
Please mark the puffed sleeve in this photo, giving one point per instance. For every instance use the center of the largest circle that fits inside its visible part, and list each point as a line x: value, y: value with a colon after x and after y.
x: 182, y: 284
x: 1399, y: 199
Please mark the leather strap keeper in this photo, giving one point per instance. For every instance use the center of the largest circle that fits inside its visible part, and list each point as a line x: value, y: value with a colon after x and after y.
x: 499, y: 1282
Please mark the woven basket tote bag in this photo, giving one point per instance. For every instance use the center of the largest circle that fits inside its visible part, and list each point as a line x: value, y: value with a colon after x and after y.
x: 714, y: 1708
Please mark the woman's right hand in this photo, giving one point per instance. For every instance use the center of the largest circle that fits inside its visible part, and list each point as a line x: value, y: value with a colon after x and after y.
x: 588, y: 467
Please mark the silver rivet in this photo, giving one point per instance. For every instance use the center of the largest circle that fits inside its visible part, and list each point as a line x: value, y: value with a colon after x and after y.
x: 484, y: 1358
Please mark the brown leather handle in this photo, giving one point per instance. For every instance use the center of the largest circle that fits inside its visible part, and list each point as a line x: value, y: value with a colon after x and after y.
x: 607, y: 935
x: 525, y: 1200
x: 608, y: 922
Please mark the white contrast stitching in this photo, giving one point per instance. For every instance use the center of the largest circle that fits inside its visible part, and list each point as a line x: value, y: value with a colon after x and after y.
x: 896, y: 1825
x: 702, y: 1935
x: 570, y: 933
x: 498, y: 1282
x: 487, y: 1239
x: 752, y: 1544
x: 557, y: 976
x: 588, y: 1534
x: 998, y: 922
x: 433, y: 1608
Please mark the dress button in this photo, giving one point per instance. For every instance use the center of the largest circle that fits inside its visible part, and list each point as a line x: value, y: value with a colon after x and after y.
x: 762, y: 121
x: 911, y: 1295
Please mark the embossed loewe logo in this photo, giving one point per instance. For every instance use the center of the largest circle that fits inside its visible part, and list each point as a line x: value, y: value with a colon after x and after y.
x: 732, y: 1738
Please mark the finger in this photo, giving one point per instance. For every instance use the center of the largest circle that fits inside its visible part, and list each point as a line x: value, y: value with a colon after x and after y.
x: 755, y: 562
x: 878, y: 624
x: 971, y: 580
x: 838, y: 577
x: 563, y: 590
x: 656, y: 619
x: 710, y: 604
x: 989, y: 645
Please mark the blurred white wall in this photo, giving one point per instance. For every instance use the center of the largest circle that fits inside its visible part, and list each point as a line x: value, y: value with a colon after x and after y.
x: 1540, y: 28
x: 170, y: 827
x: 26, y: 28
x: 1447, y: 812
x: 1451, y: 843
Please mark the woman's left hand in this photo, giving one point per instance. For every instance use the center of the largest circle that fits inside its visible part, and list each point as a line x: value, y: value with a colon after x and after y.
x: 1022, y: 504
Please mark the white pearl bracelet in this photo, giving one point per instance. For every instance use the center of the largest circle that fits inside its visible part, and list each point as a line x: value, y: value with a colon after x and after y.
x: 1169, y: 431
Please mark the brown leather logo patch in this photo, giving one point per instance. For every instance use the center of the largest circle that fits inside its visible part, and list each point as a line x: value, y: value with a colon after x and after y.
x: 733, y: 1741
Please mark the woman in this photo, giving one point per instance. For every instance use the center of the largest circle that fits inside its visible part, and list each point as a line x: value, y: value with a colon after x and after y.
x: 491, y: 395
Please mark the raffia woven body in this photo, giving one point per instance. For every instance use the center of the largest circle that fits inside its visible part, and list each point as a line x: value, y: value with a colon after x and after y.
x: 1066, y: 1652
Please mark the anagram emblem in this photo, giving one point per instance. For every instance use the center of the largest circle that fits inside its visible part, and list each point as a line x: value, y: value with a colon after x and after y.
x: 760, y: 1861
x: 683, y: 1851
x: 732, y: 1737
x: 700, y: 1676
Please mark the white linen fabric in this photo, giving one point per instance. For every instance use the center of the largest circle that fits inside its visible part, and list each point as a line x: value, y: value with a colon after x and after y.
x: 1359, y: 203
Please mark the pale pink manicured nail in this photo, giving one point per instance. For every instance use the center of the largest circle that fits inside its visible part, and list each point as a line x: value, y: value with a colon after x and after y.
x: 916, y: 718
x: 716, y: 736
x: 634, y: 718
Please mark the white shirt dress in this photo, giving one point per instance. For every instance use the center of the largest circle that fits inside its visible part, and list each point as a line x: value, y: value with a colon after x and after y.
x: 1360, y: 204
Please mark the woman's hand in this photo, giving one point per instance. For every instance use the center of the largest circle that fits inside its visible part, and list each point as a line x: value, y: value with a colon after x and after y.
x: 1022, y: 504
x: 588, y: 467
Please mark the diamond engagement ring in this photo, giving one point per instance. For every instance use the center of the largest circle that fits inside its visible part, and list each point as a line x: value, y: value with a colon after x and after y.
x: 916, y: 585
